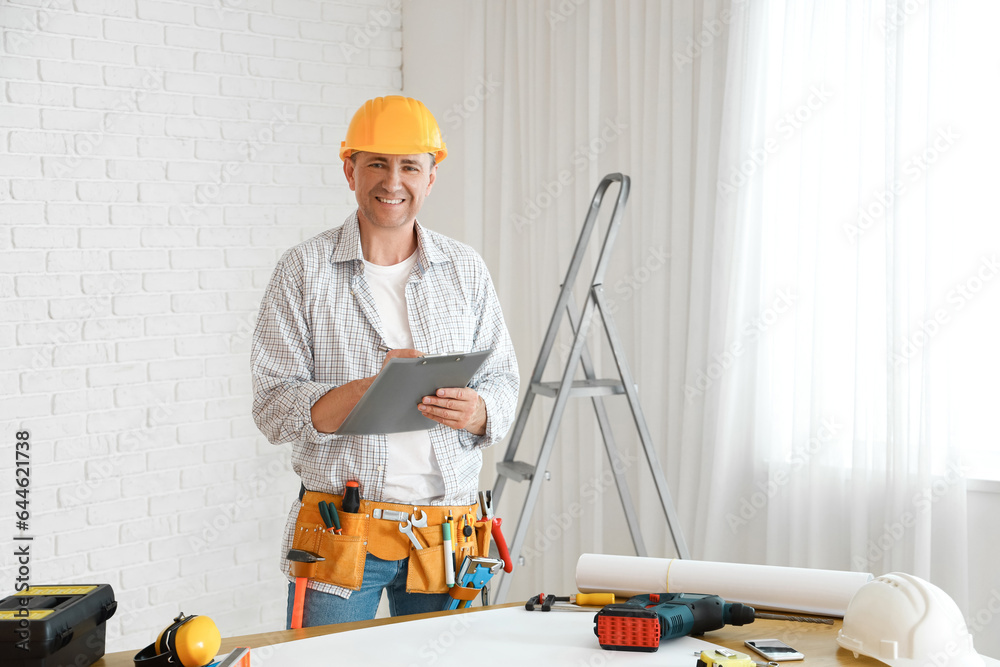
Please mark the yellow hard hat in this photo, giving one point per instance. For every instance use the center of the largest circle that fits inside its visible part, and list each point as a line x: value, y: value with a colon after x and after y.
x: 394, y: 125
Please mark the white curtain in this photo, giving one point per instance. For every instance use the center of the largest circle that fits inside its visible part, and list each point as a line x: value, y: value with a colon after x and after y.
x: 588, y: 89
x: 798, y: 223
x: 844, y: 283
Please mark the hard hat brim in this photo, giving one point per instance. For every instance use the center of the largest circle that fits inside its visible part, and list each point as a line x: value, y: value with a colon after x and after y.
x: 439, y: 154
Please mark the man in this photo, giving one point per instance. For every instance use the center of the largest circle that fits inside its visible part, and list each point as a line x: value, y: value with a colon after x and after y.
x: 337, y: 308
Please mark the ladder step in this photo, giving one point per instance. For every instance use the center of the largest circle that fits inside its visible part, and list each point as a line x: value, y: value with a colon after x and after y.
x: 517, y: 471
x: 595, y: 387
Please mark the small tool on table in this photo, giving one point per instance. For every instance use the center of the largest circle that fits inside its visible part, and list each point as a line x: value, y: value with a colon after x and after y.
x: 545, y: 602
x: 724, y: 657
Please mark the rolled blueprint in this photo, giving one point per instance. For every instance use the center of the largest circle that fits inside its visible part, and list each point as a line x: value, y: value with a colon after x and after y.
x: 768, y: 586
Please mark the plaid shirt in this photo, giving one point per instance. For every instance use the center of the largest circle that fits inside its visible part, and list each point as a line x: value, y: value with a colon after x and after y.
x: 318, y: 328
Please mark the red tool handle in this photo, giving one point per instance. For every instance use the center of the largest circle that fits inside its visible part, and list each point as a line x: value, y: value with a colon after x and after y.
x: 298, y: 604
x: 508, y: 565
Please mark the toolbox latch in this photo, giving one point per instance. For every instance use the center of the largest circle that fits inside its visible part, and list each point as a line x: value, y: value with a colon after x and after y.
x: 108, y: 610
x: 64, y: 637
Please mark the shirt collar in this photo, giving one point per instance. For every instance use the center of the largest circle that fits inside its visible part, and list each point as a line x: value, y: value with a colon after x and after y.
x: 348, y: 247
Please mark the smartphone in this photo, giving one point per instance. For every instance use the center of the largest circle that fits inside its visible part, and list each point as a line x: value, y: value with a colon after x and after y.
x: 774, y: 649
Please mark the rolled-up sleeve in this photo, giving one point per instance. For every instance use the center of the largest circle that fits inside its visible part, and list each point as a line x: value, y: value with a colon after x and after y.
x: 284, y: 390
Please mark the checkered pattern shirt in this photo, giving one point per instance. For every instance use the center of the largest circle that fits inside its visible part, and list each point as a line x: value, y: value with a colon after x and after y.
x: 318, y: 328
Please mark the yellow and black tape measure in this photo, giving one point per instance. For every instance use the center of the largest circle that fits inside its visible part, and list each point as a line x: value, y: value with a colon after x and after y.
x: 723, y: 657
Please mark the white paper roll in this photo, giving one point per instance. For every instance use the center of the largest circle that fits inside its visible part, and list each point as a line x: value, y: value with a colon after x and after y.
x: 770, y: 586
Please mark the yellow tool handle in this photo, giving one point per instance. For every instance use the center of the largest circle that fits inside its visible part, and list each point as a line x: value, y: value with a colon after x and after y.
x: 593, y: 599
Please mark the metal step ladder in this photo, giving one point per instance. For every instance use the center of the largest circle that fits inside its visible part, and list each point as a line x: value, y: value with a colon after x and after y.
x: 590, y: 387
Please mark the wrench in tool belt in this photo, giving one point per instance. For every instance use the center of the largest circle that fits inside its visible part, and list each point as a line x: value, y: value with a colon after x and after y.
x: 406, y: 527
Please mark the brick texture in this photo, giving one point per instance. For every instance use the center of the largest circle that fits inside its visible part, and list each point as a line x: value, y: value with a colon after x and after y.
x: 157, y: 158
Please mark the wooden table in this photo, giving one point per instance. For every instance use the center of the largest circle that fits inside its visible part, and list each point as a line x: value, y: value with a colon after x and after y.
x: 816, y: 641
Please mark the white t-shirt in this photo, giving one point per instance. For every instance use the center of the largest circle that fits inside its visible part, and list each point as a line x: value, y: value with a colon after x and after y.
x: 413, y: 476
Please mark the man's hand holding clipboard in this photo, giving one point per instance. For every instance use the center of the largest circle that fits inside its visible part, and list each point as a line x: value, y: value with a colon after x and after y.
x: 455, y: 407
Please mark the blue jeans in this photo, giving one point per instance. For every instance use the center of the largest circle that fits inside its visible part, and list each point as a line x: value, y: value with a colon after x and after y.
x: 389, y: 575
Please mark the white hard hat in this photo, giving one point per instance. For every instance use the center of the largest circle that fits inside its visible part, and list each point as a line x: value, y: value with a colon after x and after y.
x: 905, y: 621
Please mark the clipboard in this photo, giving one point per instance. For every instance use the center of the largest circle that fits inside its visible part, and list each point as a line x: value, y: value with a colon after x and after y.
x: 390, y: 403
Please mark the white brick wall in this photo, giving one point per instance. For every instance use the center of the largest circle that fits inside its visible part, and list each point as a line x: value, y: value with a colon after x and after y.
x: 156, y: 157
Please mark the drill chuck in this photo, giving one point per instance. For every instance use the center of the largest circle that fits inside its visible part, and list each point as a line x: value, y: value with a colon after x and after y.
x: 739, y: 614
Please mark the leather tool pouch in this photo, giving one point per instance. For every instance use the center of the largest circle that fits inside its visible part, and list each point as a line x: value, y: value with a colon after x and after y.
x: 344, y: 554
x: 426, y: 572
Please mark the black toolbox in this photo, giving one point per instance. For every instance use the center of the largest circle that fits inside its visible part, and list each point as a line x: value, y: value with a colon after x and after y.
x: 55, y: 626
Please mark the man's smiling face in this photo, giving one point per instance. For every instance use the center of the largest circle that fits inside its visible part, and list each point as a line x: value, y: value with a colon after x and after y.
x: 390, y: 189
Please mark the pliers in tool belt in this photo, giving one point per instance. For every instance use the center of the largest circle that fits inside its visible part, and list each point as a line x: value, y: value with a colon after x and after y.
x: 486, y: 506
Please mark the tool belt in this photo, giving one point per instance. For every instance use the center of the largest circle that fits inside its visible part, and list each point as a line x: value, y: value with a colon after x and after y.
x: 362, y: 533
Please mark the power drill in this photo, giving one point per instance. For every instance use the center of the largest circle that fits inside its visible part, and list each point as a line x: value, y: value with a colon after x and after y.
x: 640, y: 623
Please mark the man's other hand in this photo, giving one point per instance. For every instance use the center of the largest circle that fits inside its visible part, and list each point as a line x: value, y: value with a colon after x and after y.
x: 330, y: 411
x: 459, y: 408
